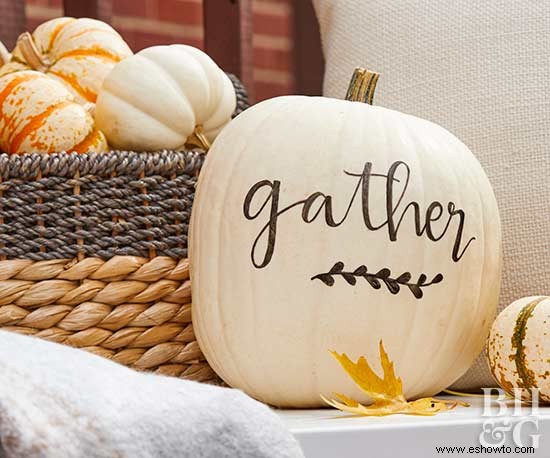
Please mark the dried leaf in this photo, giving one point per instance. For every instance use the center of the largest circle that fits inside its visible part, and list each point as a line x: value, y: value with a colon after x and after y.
x: 348, y: 401
x: 386, y: 393
x: 379, y: 390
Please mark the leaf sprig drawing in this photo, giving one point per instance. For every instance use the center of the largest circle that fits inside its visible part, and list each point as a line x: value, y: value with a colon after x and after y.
x: 383, y: 276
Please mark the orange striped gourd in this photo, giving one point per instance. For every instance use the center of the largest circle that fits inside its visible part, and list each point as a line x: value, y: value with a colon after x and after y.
x: 77, y: 52
x: 518, y: 348
x: 38, y: 114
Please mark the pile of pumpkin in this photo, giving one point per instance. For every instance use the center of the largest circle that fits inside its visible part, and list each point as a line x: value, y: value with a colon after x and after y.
x: 74, y: 85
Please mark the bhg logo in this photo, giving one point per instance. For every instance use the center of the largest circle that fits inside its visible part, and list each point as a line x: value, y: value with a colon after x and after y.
x: 508, y: 420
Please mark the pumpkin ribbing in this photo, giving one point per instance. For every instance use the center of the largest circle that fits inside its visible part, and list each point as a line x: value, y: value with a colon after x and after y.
x: 93, y: 138
x: 33, y: 124
x: 90, y: 52
x: 12, y: 85
x: 73, y: 82
x: 56, y: 31
x: 6, y: 92
x: 92, y: 30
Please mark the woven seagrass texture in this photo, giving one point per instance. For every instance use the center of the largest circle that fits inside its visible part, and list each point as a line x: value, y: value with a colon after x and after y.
x: 62, y: 205
x: 132, y: 310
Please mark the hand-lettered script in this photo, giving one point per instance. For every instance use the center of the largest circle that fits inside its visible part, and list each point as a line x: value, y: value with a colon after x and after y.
x: 317, y: 203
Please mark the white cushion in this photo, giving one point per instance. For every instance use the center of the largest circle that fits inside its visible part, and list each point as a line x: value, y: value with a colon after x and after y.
x: 481, y: 70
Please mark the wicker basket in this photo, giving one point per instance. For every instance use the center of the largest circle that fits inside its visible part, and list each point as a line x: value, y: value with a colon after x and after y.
x: 93, y: 254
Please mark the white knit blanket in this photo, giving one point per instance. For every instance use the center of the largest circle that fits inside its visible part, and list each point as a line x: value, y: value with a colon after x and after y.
x: 57, y: 401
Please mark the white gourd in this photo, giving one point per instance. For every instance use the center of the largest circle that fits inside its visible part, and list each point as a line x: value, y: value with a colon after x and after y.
x: 164, y: 97
x: 518, y: 348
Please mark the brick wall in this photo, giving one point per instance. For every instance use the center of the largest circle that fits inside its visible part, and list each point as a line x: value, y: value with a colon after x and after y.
x: 146, y: 23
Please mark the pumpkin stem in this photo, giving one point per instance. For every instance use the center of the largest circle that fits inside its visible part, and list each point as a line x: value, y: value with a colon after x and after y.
x: 362, y: 85
x: 31, y: 54
x: 4, y: 54
x: 197, y: 138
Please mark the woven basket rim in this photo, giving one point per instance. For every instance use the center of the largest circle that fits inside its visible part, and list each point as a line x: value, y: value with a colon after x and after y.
x: 115, y: 162
x: 123, y: 203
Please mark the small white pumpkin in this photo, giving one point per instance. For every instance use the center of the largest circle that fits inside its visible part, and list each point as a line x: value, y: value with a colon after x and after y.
x: 518, y: 348
x: 164, y: 97
x: 39, y: 115
x: 323, y: 224
x: 77, y: 52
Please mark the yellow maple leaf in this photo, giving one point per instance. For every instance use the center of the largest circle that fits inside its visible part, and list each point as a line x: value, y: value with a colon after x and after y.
x: 386, y: 393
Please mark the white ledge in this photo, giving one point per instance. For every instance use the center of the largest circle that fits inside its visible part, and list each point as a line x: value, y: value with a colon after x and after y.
x: 327, y: 433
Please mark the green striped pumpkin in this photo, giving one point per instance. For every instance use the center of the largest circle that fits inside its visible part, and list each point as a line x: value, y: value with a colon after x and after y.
x: 518, y: 347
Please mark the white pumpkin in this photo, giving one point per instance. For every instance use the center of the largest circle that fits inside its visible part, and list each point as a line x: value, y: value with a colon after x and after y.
x: 303, y: 241
x: 164, y: 97
x: 76, y: 52
x: 518, y: 348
